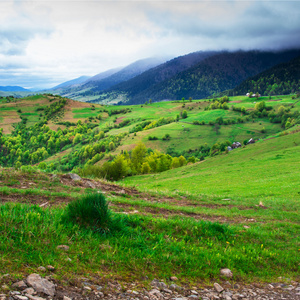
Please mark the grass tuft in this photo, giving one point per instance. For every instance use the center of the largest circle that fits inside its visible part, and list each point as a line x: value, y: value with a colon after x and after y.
x: 90, y: 210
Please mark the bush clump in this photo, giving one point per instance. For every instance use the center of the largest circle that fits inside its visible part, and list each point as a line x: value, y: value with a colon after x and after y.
x: 90, y: 210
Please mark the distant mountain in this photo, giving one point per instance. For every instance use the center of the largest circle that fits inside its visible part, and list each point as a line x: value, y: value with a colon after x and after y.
x: 69, y: 83
x: 96, y: 84
x: 217, y: 72
x: 281, y: 79
x: 13, y: 89
x: 139, y: 84
x: 124, y: 74
x: 102, y: 75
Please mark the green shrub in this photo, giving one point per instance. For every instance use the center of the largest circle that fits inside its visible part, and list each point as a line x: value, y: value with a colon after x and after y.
x: 90, y: 210
x: 166, y: 137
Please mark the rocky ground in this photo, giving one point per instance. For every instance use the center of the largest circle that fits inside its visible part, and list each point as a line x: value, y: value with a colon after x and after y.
x: 35, y: 287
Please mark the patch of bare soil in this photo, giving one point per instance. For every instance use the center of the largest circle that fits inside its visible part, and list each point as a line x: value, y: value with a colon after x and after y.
x: 236, y: 101
x: 166, y: 213
x: 41, y: 200
x: 119, y: 120
x: 63, y: 182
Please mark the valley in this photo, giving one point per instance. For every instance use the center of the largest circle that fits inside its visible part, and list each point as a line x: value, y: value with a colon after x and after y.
x: 217, y: 208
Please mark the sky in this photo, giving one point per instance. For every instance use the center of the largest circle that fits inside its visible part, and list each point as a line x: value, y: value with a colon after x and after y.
x: 44, y: 43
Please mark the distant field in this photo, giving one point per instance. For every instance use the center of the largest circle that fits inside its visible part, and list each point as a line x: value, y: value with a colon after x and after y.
x: 257, y: 171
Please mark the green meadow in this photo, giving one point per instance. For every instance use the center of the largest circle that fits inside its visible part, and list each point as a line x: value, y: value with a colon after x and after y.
x: 238, y: 209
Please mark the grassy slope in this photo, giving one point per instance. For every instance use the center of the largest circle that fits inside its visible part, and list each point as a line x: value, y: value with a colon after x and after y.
x: 184, y: 135
x: 164, y: 232
x: 267, y: 169
x: 169, y: 231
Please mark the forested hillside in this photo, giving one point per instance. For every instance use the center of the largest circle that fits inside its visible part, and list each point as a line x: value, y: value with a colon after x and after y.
x: 160, y: 73
x: 213, y: 75
x: 60, y: 134
x: 282, y: 79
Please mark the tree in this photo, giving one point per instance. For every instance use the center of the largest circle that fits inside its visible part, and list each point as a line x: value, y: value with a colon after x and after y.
x: 150, y: 101
x: 182, y: 161
x: 164, y: 162
x: 184, y: 114
x: 281, y: 110
x: 77, y: 138
x: 145, y: 168
x: 260, y: 106
x: 111, y: 146
x: 175, y: 163
x: 166, y: 137
x: 138, y: 156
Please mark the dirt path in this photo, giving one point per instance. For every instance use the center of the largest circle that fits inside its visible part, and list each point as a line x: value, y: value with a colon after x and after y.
x: 49, y: 190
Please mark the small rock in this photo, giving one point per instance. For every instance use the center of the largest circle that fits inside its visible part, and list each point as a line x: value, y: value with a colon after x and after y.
x: 19, y: 297
x: 226, y: 272
x: 74, y: 176
x: 5, y: 287
x: 158, y: 284
x: 34, y: 297
x: 68, y: 259
x: 29, y: 291
x: 41, y: 285
x: 15, y: 293
x: 154, y: 292
x: 42, y: 269
x: 237, y: 296
x: 90, y: 184
x: 50, y: 268
x: 194, y: 292
x: 87, y: 288
x: 246, y: 227
x: 167, y: 291
x: 20, y: 285
x: 175, y: 287
x: 67, y: 298
x: 193, y: 297
x: 173, y: 278
x: 218, y: 288
x: 63, y: 247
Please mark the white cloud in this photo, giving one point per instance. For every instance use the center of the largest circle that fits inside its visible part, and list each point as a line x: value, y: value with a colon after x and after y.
x: 54, y: 41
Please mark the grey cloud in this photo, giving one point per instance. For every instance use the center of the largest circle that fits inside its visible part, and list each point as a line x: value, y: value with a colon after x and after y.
x: 260, y: 24
x: 14, y: 41
x: 17, y: 29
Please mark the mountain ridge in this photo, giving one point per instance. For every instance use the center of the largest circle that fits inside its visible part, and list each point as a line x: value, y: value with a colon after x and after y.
x: 10, y: 88
x: 212, y: 75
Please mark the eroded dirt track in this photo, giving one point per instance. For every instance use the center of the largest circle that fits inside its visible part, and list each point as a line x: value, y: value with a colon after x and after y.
x: 47, y: 190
